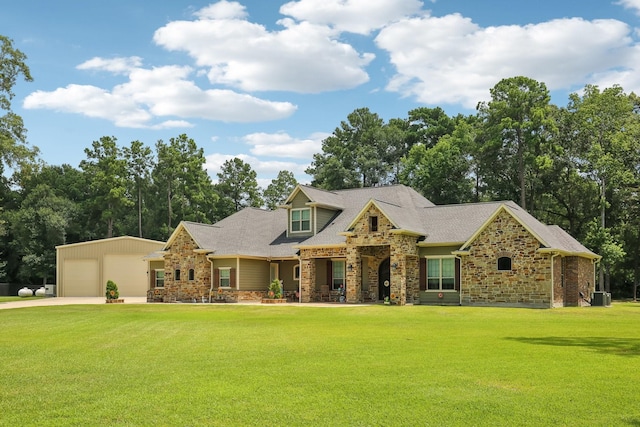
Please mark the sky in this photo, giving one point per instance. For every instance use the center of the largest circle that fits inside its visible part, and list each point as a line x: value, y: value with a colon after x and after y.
x: 268, y: 80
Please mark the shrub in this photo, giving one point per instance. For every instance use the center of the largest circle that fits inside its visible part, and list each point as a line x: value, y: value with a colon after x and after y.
x: 112, y: 290
x: 275, y: 291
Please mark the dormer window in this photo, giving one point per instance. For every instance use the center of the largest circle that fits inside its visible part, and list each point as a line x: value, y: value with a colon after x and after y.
x: 373, y: 224
x: 300, y: 220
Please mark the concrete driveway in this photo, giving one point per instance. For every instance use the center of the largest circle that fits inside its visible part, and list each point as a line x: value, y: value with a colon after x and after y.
x: 67, y: 301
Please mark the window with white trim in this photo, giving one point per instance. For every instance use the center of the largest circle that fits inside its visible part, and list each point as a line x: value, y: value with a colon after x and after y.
x: 225, y: 278
x: 159, y: 279
x: 339, y: 275
x: 441, y: 275
x: 296, y: 272
x: 300, y: 220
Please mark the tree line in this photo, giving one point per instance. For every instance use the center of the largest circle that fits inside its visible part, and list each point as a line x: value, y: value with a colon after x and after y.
x: 577, y: 166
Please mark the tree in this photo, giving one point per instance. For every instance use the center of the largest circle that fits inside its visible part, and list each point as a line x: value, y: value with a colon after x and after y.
x: 351, y: 156
x: 184, y: 188
x: 600, y: 240
x: 237, y: 187
x: 139, y: 163
x: 428, y: 125
x: 106, y: 174
x: 516, y: 125
x: 440, y: 173
x: 608, y: 134
x: 37, y: 228
x: 277, y: 192
x: 13, y: 135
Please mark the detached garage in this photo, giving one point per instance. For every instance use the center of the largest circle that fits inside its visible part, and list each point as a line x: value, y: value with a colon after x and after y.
x: 83, y: 269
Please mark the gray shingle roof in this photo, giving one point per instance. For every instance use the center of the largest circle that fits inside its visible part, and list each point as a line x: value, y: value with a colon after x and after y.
x: 261, y: 233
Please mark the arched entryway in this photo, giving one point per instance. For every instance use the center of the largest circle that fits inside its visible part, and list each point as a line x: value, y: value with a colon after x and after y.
x: 384, y: 278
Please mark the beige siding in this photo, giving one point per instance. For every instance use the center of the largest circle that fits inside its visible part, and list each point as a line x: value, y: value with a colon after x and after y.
x: 254, y: 275
x: 437, y: 250
x: 286, y: 275
x: 119, y: 259
x: 129, y: 272
x: 323, y: 217
x: 82, y: 278
x: 299, y: 201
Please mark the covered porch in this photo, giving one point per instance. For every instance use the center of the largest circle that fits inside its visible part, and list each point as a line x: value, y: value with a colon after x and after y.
x: 361, y: 273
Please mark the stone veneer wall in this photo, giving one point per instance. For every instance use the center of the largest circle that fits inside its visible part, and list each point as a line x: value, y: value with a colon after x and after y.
x: 308, y: 268
x: 579, y: 277
x: 182, y: 256
x: 527, y: 284
x: 558, y: 281
x: 403, y: 255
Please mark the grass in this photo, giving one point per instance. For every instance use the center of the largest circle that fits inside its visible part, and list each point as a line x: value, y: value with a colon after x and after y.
x: 363, y: 366
x: 17, y: 298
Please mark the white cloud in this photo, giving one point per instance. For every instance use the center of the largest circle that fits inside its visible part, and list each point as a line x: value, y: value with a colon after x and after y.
x: 222, y: 10
x: 155, y: 93
x: 302, y: 57
x: 355, y: 16
x: 114, y: 65
x: 630, y: 4
x: 453, y: 60
x: 282, y: 144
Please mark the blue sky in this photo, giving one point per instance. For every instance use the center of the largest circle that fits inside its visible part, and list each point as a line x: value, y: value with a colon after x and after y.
x: 266, y: 81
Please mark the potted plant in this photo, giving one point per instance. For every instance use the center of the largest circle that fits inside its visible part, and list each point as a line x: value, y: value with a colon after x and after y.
x: 112, y: 294
x: 274, y: 293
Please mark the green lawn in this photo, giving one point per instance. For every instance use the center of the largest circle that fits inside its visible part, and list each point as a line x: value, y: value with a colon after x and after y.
x: 182, y: 364
x: 17, y: 298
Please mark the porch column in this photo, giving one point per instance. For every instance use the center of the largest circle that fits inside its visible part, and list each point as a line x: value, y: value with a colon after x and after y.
x: 401, y: 247
x: 307, y: 279
x: 354, y: 276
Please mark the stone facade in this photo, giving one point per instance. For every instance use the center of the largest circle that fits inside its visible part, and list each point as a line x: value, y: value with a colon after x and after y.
x: 579, y: 277
x: 527, y: 284
x: 181, y: 257
x: 373, y: 247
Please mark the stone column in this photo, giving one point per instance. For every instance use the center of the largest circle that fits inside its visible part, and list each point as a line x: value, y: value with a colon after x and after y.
x: 307, y: 279
x: 354, y: 276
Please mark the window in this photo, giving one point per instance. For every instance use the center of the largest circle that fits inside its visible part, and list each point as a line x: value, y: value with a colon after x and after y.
x: 373, y: 224
x: 225, y: 278
x: 191, y: 275
x: 176, y: 275
x: 159, y: 279
x: 338, y: 274
x: 296, y: 272
x: 300, y: 220
x: 504, y: 263
x: 441, y: 274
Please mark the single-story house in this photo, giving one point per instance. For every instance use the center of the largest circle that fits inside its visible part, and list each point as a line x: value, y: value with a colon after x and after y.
x: 375, y: 244
x: 83, y: 269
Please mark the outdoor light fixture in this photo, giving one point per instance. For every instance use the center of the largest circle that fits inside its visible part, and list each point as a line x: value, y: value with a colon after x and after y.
x: 394, y: 265
x: 350, y: 267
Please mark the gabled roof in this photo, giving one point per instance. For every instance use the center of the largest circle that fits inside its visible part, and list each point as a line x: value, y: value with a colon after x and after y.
x: 110, y: 239
x: 317, y: 197
x: 250, y: 232
x: 401, y: 204
x: 260, y: 233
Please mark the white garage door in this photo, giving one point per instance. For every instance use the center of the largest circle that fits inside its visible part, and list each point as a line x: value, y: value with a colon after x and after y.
x: 129, y: 272
x: 81, y: 278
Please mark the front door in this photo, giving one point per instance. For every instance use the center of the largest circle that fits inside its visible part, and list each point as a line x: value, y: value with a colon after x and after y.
x: 384, y: 279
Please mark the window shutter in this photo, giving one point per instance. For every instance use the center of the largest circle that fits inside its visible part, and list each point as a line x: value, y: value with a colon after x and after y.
x: 330, y: 273
x: 457, y: 273
x: 423, y: 274
x: 232, y: 278
x: 153, y: 279
x: 216, y: 276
